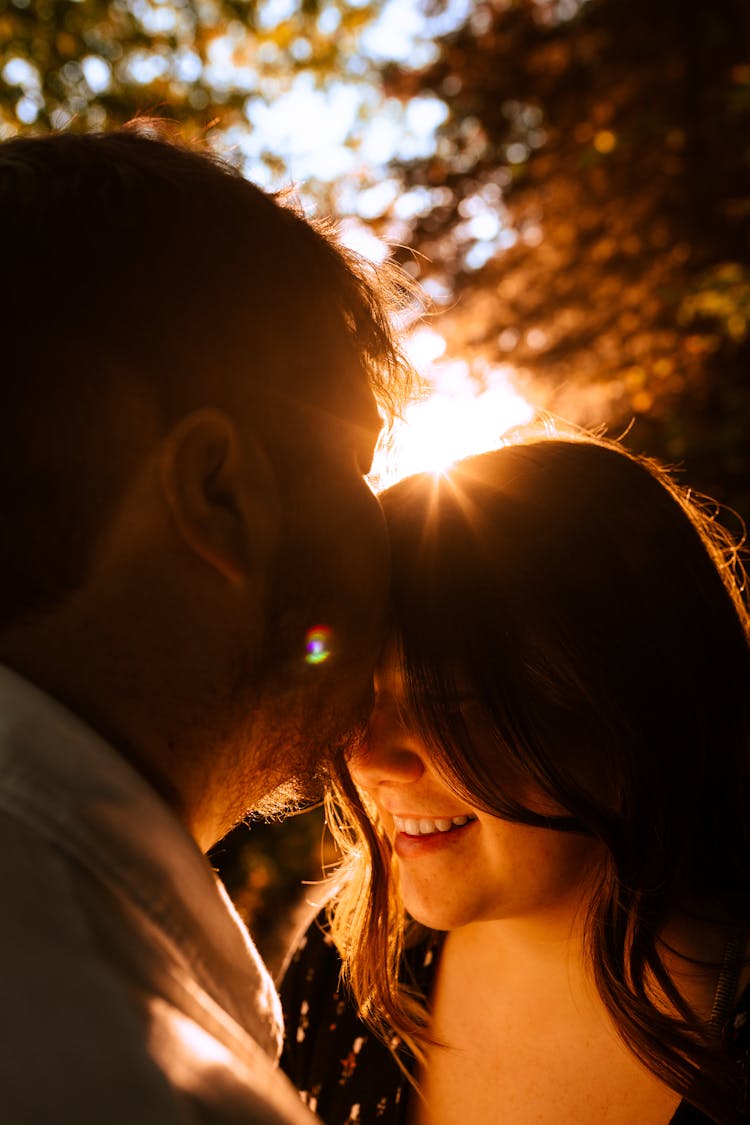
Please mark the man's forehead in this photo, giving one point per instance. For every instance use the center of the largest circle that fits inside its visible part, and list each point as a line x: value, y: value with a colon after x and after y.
x: 352, y: 418
x: 344, y: 398
x: 365, y: 412
x: 347, y: 393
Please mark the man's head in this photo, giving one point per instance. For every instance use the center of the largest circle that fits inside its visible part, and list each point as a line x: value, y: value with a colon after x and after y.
x: 189, y: 384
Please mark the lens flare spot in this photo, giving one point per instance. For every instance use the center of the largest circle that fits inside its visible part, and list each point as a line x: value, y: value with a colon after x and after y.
x: 317, y: 645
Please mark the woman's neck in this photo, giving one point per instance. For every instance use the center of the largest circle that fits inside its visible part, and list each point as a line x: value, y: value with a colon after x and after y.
x: 531, y: 957
x: 522, y: 1033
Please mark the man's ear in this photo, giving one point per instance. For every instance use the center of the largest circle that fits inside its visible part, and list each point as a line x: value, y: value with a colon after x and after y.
x: 221, y: 493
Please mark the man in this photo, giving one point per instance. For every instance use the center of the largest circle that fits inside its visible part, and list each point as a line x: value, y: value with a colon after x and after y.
x: 189, y: 382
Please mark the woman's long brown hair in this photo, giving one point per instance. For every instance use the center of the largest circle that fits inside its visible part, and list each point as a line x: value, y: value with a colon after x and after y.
x: 596, y: 611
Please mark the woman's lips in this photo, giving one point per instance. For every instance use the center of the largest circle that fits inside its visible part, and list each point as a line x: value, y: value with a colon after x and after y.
x: 426, y: 825
x: 408, y: 844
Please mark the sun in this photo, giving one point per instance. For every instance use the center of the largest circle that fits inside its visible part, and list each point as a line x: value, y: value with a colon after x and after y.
x: 457, y: 417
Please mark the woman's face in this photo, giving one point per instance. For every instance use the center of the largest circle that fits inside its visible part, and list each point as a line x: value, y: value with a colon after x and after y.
x: 457, y: 864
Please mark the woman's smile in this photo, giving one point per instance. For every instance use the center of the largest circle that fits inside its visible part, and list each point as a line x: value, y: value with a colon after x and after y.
x: 426, y: 826
x: 425, y: 836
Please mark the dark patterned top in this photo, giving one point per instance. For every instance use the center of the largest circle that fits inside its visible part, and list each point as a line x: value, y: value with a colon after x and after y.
x: 347, y: 1075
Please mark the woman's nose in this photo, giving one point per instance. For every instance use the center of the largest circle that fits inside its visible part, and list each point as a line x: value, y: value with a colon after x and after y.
x: 389, y: 756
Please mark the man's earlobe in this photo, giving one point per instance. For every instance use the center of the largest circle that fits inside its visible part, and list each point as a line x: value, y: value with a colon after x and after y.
x: 221, y: 508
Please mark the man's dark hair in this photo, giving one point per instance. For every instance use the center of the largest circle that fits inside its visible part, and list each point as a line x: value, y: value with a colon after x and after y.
x: 136, y: 269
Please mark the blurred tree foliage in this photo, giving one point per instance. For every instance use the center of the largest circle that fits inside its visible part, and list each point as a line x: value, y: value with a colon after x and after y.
x: 272, y: 871
x: 582, y: 212
x: 587, y: 216
x: 90, y: 64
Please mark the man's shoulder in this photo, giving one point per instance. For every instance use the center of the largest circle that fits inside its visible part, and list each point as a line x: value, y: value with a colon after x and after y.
x: 92, y: 1016
x: 70, y: 1037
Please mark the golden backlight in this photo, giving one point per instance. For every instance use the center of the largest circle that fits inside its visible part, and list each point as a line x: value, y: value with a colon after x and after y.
x: 458, y: 415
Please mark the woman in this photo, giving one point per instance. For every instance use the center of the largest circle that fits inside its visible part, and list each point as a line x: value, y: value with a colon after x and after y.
x: 545, y: 902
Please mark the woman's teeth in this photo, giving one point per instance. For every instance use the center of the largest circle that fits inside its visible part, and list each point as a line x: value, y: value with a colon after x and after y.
x: 424, y: 826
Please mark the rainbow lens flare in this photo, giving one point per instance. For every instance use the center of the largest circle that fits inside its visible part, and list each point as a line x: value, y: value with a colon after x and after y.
x: 317, y: 644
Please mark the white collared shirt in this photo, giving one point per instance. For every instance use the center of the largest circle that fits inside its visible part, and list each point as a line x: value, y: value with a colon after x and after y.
x: 130, y: 991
